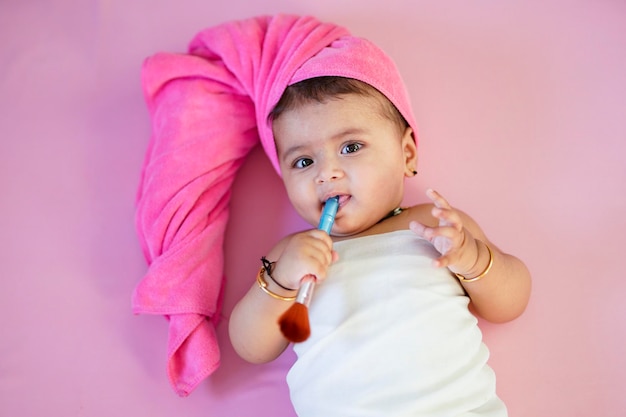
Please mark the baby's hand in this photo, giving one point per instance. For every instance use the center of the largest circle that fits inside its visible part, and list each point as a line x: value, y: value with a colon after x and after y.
x: 306, y: 253
x: 453, y: 241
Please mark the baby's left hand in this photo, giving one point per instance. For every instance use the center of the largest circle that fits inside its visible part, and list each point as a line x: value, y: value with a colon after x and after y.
x: 455, y: 243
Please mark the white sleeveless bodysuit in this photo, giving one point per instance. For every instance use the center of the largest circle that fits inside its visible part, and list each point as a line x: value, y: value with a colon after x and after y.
x: 391, y: 336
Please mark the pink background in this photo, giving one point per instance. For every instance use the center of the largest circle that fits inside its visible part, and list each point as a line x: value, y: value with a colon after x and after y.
x: 522, y: 114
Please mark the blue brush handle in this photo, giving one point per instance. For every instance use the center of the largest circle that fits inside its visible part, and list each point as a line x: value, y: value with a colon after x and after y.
x: 328, y: 214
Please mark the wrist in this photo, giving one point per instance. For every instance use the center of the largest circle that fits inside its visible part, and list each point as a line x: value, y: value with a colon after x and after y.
x: 269, y: 270
x: 482, y: 266
x: 272, y: 289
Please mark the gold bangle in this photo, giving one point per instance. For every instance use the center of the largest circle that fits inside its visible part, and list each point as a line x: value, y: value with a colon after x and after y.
x: 485, y: 272
x: 263, y: 286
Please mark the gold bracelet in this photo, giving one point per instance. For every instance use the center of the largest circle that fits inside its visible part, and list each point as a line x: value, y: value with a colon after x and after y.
x: 263, y: 286
x: 485, y: 272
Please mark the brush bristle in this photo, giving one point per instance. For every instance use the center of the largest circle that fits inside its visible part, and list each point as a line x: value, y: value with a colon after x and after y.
x: 294, y: 323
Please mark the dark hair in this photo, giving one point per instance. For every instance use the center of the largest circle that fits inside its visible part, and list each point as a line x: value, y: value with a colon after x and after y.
x: 320, y: 89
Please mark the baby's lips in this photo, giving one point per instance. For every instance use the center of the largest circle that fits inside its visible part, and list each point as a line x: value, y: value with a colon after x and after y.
x: 343, y: 198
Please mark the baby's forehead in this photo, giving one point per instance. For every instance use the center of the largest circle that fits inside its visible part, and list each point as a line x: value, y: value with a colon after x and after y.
x: 347, y: 108
x: 375, y: 103
x: 352, y: 110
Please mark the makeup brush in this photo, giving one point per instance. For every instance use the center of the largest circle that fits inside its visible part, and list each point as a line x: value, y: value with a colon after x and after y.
x: 294, y: 323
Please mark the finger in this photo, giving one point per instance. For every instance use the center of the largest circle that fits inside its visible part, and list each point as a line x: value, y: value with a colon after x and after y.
x: 418, y: 228
x: 440, y: 262
x: 322, y: 254
x: 437, y: 199
x: 450, y: 233
x: 313, y: 264
x: 445, y: 238
x: 317, y: 258
x: 322, y: 236
x: 422, y: 230
x: 449, y: 217
x: 443, y: 261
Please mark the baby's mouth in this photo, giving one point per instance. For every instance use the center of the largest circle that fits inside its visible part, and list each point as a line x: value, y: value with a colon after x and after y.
x: 342, y: 200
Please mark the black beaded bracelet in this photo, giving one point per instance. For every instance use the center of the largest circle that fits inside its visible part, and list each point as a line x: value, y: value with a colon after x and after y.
x: 269, y: 267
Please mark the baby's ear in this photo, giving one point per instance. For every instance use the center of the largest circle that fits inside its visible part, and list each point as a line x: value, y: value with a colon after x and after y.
x: 409, y: 147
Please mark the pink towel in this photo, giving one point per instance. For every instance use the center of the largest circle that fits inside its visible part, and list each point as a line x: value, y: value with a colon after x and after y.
x: 208, y: 108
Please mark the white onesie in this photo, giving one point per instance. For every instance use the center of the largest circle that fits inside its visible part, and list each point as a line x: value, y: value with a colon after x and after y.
x: 391, y: 336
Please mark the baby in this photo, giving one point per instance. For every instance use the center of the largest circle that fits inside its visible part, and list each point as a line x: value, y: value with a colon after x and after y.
x: 391, y: 331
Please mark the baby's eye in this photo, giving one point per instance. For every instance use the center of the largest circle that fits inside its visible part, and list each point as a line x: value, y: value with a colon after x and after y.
x: 302, y: 163
x: 351, y: 148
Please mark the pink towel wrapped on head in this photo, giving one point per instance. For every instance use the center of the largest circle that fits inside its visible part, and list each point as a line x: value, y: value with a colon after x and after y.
x: 209, y: 108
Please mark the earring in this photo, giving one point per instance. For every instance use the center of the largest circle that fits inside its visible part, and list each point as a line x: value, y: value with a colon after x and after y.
x: 414, y: 172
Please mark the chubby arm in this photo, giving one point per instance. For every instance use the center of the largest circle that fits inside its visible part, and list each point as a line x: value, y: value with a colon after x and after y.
x: 500, y: 295
x: 253, y: 326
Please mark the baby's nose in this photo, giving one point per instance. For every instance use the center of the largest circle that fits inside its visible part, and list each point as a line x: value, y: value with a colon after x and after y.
x: 329, y: 171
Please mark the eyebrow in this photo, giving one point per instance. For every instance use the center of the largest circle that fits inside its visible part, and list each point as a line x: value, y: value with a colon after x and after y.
x: 292, y: 150
x: 298, y: 148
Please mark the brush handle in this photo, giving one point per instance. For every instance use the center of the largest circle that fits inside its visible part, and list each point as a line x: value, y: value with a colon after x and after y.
x: 328, y: 214
x: 305, y: 292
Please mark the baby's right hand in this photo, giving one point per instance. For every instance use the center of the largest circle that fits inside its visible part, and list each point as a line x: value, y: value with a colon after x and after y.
x: 306, y: 253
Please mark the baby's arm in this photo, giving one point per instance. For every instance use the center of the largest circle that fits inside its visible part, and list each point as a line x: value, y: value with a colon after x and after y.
x: 253, y: 327
x: 503, y: 292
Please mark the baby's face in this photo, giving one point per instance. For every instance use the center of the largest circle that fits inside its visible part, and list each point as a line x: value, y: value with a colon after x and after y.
x: 343, y: 147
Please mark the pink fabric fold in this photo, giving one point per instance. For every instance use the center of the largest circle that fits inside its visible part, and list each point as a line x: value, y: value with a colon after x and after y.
x: 208, y: 109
